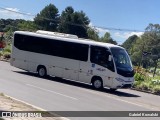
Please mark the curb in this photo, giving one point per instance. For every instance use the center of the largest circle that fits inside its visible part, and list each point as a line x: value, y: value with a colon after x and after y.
x: 145, y: 91
x: 4, y: 60
x: 25, y: 103
x: 38, y: 108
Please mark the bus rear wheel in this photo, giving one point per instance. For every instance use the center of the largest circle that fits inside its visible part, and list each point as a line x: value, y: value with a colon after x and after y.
x: 41, y: 71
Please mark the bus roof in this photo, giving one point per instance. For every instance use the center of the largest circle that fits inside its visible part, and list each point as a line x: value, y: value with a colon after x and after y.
x: 72, y: 39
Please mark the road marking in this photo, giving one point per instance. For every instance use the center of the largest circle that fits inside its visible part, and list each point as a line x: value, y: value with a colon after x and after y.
x: 133, y: 103
x: 118, y: 99
x: 52, y: 92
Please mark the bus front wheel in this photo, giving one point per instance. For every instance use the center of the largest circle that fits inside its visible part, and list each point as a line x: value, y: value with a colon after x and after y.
x: 42, y: 71
x: 97, y: 84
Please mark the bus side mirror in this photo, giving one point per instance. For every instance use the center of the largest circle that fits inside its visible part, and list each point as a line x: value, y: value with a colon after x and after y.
x: 110, y: 58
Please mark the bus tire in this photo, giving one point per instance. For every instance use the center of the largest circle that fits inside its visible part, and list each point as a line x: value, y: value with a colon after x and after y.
x: 42, y: 72
x: 97, y: 83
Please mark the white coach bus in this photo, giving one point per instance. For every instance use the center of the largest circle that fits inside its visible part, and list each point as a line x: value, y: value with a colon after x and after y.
x: 69, y: 57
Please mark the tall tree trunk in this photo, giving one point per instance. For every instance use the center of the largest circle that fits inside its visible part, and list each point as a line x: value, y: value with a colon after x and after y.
x: 141, y: 61
x: 155, y: 68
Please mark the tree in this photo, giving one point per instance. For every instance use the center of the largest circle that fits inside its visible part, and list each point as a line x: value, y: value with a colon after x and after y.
x: 148, y: 43
x: 72, y: 22
x: 2, y: 25
x: 48, y: 18
x: 107, y: 39
x: 92, y: 34
x: 9, y: 36
x: 9, y: 24
x: 66, y: 19
x: 153, y: 37
x: 27, y: 26
x: 128, y: 44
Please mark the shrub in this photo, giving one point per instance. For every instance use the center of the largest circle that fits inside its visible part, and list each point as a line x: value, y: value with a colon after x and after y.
x: 151, y: 70
x: 158, y: 72
x: 1, y: 94
x: 7, y: 55
x: 1, y: 53
x: 156, y: 82
x: 136, y: 83
x: 139, y: 77
x: 144, y: 86
x: 156, y: 89
x: 7, y: 49
x: 142, y: 80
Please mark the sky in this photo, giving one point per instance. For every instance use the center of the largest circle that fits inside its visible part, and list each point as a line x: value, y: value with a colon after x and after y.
x: 114, y: 16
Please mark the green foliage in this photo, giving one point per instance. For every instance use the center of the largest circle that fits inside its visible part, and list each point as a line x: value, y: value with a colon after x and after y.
x: 148, y: 42
x: 136, y: 57
x: 156, y: 89
x: 139, y: 77
x: 157, y: 77
x: 156, y: 81
x: 7, y: 49
x: 145, y: 86
x: 74, y: 22
x: 146, y: 83
x: 9, y: 36
x: 6, y: 52
x: 48, y: 18
x: 27, y: 26
x: 69, y: 21
x: 7, y: 55
x: 107, y: 39
x: 92, y: 34
x: 128, y: 44
x: 1, y: 53
x: 9, y: 24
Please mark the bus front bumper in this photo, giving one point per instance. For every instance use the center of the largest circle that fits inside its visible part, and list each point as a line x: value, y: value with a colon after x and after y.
x: 119, y: 83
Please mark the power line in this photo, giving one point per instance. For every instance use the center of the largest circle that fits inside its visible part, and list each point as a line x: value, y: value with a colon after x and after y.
x: 96, y: 27
x: 119, y: 29
x: 16, y: 12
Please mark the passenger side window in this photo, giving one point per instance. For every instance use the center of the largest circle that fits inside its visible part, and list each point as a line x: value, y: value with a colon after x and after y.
x: 100, y: 56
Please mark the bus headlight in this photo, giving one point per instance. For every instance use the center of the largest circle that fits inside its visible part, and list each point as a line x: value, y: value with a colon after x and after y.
x: 119, y: 79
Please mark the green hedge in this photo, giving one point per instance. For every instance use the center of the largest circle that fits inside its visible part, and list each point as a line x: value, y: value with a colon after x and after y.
x: 144, y: 82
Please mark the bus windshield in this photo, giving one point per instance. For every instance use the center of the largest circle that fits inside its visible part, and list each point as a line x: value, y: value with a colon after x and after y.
x: 121, y: 58
x: 122, y: 61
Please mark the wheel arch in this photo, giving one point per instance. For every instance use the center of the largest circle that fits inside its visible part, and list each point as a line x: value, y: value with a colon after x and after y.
x: 96, y: 77
x: 42, y: 66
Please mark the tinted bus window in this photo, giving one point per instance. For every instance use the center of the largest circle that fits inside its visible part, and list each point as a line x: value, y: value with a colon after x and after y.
x: 52, y: 47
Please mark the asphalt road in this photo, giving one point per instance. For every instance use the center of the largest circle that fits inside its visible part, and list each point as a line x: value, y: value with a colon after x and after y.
x: 55, y: 94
